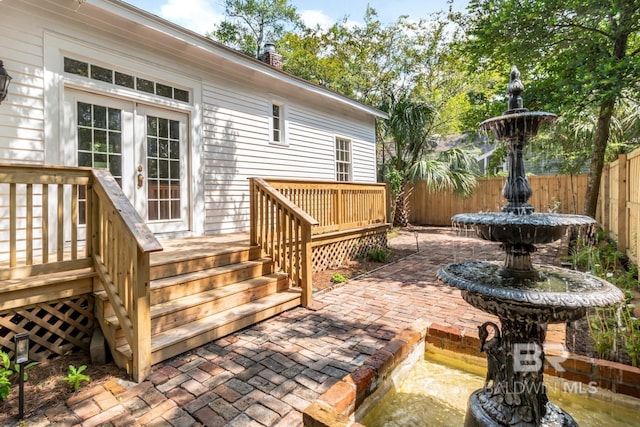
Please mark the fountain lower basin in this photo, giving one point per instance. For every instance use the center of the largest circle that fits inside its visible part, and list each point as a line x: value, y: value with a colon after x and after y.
x: 421, y: 397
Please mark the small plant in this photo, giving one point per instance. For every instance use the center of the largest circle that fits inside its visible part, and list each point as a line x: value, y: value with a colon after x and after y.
x: 24, y: 368
x: 603, y: 330
x: 338, y: 278
x: 5, y: 375
x: 75, y: 377
x: 631, y: 333
x: 378, y: 254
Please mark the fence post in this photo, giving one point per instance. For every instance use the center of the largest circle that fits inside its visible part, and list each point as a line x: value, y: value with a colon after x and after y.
x: 622, y: 203
x: 605, y: 198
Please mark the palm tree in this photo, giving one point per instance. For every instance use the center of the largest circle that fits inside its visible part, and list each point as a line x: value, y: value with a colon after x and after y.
x: 412, y: 155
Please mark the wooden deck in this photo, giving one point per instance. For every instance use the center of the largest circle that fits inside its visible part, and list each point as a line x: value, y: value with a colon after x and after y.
x: 67, y: 262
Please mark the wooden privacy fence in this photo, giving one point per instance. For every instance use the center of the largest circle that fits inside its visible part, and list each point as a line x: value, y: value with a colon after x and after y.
x: 557, y: 193
x: 619, y: 202
x: 61, y: 228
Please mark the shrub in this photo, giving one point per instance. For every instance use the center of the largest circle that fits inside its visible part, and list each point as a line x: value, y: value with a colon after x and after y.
x: 378, y: 254
x: 338, y: 278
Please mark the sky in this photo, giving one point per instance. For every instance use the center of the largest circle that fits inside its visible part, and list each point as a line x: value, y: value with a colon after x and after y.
x: 200, y: 15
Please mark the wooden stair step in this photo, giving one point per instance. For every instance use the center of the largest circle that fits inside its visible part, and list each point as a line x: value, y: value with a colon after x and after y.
x: 210, y: 272
x: 177, y: 262
x: 194, y: 334
x: 175, y: 287
x: 209, y: 302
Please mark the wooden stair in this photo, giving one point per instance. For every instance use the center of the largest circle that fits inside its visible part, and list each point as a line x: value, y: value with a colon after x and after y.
x: 199, y: 296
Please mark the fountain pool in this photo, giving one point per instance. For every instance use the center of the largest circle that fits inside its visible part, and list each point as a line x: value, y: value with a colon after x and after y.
x: 422, y: 397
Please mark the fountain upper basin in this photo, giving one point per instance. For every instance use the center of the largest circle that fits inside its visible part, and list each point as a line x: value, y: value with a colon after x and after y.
x: 536, y: 228
x: 557, y: 295
x: 517, y: 123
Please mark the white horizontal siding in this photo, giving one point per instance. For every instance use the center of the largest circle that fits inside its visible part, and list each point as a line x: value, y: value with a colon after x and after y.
x: 22, y: 112
x: 230, y: 119
x: 236, y: 147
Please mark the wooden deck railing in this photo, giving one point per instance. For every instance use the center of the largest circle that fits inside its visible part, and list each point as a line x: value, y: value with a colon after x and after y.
x: 40, y: 220
x: 336, y: 205
x: 284, y: 232
x: 58, y: 219
x: 122, y: 245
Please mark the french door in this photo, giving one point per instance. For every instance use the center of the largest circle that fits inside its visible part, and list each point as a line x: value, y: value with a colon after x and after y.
x: 146, y: 150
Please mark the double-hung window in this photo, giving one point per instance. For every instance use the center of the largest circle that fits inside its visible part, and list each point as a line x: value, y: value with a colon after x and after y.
x: 343, y: 159
x: 277, y: 124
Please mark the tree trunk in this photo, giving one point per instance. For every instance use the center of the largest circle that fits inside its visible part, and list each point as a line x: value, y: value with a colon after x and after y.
x: 403, y: 208
x: 597, y: 157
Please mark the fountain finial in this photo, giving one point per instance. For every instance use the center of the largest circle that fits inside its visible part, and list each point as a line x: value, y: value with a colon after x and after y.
x: 514, y: 89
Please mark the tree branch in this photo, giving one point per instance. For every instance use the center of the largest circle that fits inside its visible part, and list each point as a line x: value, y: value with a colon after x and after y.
x: 583, y: 27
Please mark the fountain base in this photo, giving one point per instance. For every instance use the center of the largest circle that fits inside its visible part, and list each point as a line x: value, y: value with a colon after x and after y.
x: 477, y: 416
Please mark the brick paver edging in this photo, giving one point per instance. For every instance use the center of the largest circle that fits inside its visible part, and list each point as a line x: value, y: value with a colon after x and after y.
x: 335, y: 407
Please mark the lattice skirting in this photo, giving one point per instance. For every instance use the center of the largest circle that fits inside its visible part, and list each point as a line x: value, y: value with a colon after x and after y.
x: 336, y: 252
x: 55, y: 327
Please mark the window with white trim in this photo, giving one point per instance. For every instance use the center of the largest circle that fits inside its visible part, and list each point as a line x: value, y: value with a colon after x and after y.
x: 343, y: 159
x: 277, y: 124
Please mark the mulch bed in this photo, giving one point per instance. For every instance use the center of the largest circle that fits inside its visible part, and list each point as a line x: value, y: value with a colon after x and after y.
x: 45, y: 386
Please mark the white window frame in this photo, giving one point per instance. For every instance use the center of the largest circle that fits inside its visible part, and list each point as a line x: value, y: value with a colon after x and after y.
x: 282, y: 121
x: 349, y: 162
x: 57, y: 81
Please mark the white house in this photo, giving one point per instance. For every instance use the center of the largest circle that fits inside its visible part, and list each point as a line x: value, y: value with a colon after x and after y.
x: 180, y: 121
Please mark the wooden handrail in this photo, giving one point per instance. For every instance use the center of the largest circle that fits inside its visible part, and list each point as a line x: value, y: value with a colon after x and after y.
x: 52, y: 230
x: 122, y: 245
x: 284, y: 232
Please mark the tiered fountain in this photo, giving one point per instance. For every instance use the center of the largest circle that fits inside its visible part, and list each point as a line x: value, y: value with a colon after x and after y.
x: 525, y: 297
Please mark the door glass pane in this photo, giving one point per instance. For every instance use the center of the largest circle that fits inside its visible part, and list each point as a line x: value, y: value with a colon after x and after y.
x: 99, y: 143
x: 163, y: 168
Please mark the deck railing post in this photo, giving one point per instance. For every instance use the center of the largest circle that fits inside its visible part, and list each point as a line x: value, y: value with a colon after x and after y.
x: 307, y: 263
x: 339, y: 208
x: 253, y: 213
x: 387, y: 203
x: 141, y: 314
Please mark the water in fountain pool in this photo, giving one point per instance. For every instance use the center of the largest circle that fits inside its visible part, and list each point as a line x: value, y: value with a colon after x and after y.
x: 434, y: 394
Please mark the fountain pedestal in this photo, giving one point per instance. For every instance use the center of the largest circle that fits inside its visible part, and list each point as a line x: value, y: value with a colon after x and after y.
x: 525, y: 297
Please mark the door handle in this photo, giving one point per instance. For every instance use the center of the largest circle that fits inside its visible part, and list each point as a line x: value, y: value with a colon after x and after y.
x: 140, y: 176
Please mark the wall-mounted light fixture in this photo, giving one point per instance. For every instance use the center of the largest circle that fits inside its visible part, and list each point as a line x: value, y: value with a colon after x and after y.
x: 5, y: 79
x: 21, y: 356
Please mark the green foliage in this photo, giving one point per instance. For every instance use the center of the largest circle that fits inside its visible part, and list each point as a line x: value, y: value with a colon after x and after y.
x: 601, y: 259
x: 252, y: 23
x: 606, y: 325
x: 24, y: 368
x: 338, y: 278
x: 5, y: 375
x: 378, y: 254
x: 603, y: 329
x: 578, y: 55
x: 631, y: 331
x: 75, y: 377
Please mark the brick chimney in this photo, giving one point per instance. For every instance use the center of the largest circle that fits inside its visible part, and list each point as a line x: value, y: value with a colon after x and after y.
x: 271, y: 57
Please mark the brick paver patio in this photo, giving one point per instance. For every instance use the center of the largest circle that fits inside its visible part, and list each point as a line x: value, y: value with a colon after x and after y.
x: 267, y: 374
